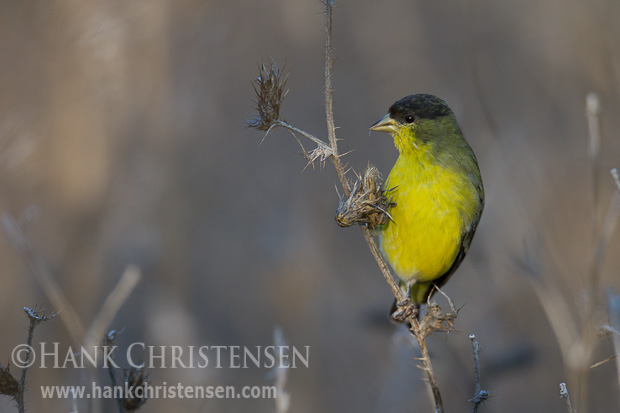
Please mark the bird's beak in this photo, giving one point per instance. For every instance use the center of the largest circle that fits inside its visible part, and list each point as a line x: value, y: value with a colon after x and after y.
x: 385, y: 124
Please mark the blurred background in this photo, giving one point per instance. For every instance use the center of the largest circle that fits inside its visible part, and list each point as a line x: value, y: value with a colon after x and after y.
x: 123, y: 141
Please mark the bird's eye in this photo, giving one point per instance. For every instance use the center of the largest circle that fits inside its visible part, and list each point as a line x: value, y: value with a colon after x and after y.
x: 409, y: 119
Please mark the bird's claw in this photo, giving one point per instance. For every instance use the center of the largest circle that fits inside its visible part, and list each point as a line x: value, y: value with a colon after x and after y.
x: 404, y: 310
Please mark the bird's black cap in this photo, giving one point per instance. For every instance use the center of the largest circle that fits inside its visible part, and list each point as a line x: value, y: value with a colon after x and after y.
x: 421, y: 106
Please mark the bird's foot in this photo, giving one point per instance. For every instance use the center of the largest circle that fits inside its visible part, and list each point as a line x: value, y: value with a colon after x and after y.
x: 404, y: 310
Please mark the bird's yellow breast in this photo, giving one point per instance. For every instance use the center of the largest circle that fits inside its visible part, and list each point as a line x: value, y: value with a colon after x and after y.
x: 424, y: 238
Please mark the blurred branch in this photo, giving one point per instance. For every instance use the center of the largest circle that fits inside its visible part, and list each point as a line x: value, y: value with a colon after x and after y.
x: 110, y: 308
x: 112, y: 305
x: 576, y: 338
x: 608, y: 359
x: 603, y: 236
x: 614, y: 174
x: 114, y: 301
x: 593, y: 111
x: 554, y: 304
x: 613, y: 306
x: 108, y: 340
x: 44, y: 277
x: 283, y: 398
x: 564, y: 394
x: 74, y: 408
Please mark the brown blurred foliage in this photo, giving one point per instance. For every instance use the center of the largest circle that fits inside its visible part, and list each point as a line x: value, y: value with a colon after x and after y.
x: 122, y: 141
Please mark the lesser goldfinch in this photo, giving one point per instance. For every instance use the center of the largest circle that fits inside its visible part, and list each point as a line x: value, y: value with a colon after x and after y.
x: 438, y: 194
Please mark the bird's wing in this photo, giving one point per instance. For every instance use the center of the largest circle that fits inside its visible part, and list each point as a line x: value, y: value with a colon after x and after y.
x: 466, y: 238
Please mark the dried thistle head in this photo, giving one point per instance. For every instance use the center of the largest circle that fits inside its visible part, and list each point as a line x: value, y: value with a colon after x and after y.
x: 436, y: 320
x: 270, y: 89
x: 368, y: 203
x: 8, y: 384
x: 135, y: 378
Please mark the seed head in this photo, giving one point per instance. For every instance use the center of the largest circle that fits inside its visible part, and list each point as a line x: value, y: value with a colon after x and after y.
x: 368, y: 203
x: 270, y: 89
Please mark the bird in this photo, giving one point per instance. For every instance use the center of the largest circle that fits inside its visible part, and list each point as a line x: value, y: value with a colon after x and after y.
x: 437, y: 197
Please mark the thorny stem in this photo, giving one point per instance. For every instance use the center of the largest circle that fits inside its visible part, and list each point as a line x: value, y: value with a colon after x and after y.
x: 333, y: 143
x: 305, y: 134
x: 427, y: 366
x: 420, y: 337
x: 35, y: 318
x: 480, y: 394
x: 19, y: 398
x: 396, y: 290
x: 329, y: 91
x: 385, y: 270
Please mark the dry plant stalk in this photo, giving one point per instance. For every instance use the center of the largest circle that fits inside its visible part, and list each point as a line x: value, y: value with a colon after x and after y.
x: 9, y: 385
x: 134, y: 377
x: 593, y: 112
x: 365, y: 202
x: 283, y: 398
x: 44, y: 277
x: 613, y: 306
x: 577, y: 339
x: 87, y: 338
x: 112, y: 305
x: 584, y: 344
